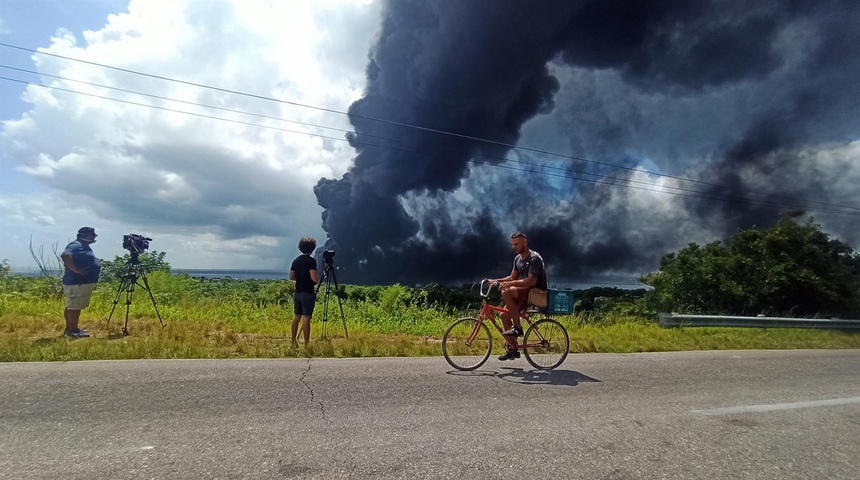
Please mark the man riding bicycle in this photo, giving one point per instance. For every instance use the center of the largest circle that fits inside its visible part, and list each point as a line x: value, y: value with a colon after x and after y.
x: 528, y: 273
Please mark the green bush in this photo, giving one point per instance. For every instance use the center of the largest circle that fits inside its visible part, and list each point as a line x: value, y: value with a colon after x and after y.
x: 152, y: 261
x: 394, y: 297
x: 789, y: 269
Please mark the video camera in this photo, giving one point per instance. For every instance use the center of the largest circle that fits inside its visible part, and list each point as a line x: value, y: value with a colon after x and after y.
x: 328, y: 256
x: 135, y: 243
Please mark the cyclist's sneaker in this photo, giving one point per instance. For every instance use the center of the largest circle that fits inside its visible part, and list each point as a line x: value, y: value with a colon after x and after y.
x: 513, y: 331
x: 510, y: 355
x: 77, y: 333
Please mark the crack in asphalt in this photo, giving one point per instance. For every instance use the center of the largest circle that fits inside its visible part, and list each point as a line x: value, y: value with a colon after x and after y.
x: 311, y: 390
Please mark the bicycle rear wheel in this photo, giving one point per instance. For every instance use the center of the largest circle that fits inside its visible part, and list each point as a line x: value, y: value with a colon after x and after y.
x: 546, y: 344
x: 466, y: 344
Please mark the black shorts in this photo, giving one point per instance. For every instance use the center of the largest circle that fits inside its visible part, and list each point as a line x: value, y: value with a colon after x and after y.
x: 304, y: 303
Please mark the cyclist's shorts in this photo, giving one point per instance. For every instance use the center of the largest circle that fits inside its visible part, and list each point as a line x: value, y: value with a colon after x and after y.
x: 523, y: 297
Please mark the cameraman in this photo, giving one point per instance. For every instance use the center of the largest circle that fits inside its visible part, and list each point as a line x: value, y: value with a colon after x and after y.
x: 79, y: 279
x: 304, y: 272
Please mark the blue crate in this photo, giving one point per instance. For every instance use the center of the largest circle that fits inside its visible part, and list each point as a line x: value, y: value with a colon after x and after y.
x: 559, y: 302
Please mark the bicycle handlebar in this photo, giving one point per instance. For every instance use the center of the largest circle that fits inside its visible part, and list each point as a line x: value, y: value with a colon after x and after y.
x: 489, y: 287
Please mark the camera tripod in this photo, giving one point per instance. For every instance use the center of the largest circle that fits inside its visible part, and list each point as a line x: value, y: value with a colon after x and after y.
x: 129, y: 279
x: 328, y: 279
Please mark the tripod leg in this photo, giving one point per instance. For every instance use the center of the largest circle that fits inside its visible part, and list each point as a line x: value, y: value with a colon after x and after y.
x: 129, y: 296
x: 340, y: 304
x: 323, y: 280
x: 325, y: 305
x: 122, y: 287
x: 145, y: 286
x: 128, y: 281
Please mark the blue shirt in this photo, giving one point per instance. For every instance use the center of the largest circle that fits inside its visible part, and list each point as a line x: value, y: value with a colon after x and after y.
x: 83, y: 257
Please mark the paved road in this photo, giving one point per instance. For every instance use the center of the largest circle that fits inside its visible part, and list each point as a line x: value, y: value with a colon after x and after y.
x: 701, y: 415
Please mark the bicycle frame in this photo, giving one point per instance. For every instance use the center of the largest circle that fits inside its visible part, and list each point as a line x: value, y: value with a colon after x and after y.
x: 468, y: 342
x: 488, y: 313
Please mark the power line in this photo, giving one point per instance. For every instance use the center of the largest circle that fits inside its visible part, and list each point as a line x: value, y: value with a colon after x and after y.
x: 693, y: 193
x: 375, y: 119
x: 601, y: 180
x: 159, y: 97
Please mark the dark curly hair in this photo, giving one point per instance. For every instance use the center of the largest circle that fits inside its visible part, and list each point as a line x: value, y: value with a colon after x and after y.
x: 307, y: 244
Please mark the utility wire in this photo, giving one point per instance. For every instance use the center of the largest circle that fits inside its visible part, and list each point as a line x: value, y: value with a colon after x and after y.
x: 507, y: 145
x: 389, y: 122
x: 510, y: 146
x: 160, y: 97
x: 602, y: 179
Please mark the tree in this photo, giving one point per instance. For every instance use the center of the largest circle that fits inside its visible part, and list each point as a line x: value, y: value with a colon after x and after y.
x: 51, y: 268
x: 789, y: 269
x: 151, y: 261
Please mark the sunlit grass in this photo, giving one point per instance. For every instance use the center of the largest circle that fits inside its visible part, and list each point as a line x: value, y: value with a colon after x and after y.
x: 206, y: 327
x: 638, y: 337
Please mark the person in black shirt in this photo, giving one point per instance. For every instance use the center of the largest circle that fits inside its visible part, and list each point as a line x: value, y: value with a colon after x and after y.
x: 304, y: 272
x: 528, y: 273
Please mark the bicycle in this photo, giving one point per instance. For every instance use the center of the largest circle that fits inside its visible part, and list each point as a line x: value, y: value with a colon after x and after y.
x: 467, y: 342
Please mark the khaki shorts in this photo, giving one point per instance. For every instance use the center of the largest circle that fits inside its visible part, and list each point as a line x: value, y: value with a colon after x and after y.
x: 78, y: 296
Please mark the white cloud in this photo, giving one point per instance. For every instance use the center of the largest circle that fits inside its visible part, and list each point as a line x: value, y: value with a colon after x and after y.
x: 221, y: 193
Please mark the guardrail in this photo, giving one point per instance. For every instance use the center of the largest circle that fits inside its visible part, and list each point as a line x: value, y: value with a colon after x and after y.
x: 672, y: 320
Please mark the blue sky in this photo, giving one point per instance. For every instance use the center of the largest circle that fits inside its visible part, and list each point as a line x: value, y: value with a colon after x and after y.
x: 31, y: 23
x: 56, y: 175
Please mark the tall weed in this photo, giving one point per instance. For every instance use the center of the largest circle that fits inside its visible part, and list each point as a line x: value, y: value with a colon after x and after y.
x: 227, y: 318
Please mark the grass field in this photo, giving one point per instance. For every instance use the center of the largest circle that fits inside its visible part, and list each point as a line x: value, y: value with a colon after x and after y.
x: 234, y: 327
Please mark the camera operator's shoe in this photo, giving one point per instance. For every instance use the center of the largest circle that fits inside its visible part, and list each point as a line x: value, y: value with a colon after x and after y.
x: 77, y: 333
x: 510, y: 355
x: 513, y: 331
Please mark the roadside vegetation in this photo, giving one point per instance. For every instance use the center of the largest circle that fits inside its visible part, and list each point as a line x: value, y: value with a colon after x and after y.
x: 791, y: 269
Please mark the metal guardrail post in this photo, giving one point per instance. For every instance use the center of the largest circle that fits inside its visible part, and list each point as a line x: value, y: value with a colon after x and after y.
x: 672, y: 320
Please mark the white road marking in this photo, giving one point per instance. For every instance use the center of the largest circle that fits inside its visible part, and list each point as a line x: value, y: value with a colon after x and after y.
x: 778, y: 406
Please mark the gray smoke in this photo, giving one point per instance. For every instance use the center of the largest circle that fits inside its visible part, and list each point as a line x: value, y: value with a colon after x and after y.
x: 731, y: 93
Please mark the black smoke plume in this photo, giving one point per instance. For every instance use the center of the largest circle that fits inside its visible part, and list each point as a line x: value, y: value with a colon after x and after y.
x: 732, y: 94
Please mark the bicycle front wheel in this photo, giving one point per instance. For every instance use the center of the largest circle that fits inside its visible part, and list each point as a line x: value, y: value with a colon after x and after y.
x: 466, y: 344
x: 546, y: 344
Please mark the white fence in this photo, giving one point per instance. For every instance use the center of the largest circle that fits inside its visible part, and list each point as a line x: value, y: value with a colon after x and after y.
x: 672, y: 320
